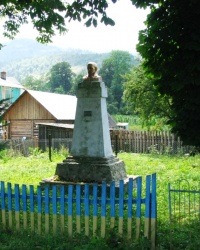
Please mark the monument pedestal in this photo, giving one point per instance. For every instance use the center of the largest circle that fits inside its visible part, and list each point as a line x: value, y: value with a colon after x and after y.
x: 91, y: 169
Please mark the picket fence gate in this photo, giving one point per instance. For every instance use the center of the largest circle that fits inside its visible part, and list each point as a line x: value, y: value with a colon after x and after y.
x: 92, y: 209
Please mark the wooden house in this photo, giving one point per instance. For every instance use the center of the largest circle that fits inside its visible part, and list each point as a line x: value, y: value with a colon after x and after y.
x: 33, y: 108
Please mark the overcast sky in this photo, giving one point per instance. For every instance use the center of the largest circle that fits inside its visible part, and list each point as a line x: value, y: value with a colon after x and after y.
x: 122, y: 36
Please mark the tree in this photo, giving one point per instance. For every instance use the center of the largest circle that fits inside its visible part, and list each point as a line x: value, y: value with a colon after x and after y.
x: 141, y: 97
x: 49, y: 16
x: 60, y: 80
x: 31, y: 82
x: 170, y: 48
x: 112, y: 70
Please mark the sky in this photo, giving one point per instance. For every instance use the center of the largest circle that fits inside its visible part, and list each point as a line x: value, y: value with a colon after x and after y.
x: 122, y: 36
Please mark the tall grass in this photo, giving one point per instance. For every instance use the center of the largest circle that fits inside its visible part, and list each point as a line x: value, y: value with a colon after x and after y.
x: 169, y: 169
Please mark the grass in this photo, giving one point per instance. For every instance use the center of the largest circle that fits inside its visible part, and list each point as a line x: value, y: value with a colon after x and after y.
x: 169, y: 169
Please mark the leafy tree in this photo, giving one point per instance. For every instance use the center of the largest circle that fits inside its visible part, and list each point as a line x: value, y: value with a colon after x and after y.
x: 112, y: 70
x: 141, y: 97
x: 49, y: 16
x: 60, y: 80
x: 170, y: 48
x: 31, y: 82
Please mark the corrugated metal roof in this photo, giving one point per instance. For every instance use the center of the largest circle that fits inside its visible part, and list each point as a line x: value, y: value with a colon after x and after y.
x: 62, y: 107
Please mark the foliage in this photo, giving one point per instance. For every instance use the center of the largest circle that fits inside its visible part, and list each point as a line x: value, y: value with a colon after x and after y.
x: 141, y: 97
x: 137, y: 124
x: 31, y: 82
x: 170, y: 48
x: 49, y: 17
x: 60, y: 79
x: 112, y: 70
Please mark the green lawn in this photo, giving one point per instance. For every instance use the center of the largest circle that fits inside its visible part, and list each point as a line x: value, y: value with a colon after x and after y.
x: 169, y: 169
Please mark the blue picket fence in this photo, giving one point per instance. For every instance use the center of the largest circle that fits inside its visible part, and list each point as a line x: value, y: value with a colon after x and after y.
x: 92, y: 209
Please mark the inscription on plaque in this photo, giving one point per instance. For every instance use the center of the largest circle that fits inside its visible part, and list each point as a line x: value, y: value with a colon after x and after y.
x: 87, y: 113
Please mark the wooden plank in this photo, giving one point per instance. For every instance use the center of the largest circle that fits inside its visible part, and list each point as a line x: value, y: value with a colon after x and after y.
x: 54, y: 205
x: 78, y: 208
x: 10, y: 219
x: 103, y: 210
x: 62, y: 209
x: 95, y: 208
x: 112, y: 204
x: 39, y: 209
x: 32, y: 207
x: 70, y: 210
x: 130, y: 205
x: 147, y: 208
x: 87, y: 208
x: 24, y: 206
x: 46, y: 209
x: 138, y: 206
x: 17, y: 206
x: 3, y: 205
x: 121, y: 206
x: 153, y: 213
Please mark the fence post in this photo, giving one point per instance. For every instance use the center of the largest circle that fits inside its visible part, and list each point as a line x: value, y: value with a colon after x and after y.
x: 153, y: 212
x: 147, y: 208
x: 17, y: 207
x: 3, y: 206
x: 138, y: 207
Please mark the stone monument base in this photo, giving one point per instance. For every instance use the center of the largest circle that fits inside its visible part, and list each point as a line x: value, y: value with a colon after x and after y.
x: 91, y: 169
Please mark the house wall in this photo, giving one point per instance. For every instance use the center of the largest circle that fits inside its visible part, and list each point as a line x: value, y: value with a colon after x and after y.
x: 7, y: 92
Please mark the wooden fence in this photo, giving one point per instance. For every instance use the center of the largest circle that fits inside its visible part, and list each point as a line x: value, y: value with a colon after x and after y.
x: 91, y: 209
x: 145, y: 141
x: 121, y: 140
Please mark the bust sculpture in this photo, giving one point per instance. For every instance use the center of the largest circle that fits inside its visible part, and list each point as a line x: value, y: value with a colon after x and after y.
x: 92, y: 72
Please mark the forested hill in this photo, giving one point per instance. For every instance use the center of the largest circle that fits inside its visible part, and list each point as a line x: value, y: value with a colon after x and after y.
x: 23, y: 57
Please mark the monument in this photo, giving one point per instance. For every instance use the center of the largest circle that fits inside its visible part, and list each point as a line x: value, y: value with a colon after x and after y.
x: 91, y: 158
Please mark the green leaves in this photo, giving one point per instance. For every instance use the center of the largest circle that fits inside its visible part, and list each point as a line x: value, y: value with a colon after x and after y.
x: 169, y: 48
x: 49, y: 16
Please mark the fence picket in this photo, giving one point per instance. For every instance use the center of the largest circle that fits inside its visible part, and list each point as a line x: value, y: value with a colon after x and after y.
x: 10, y: 219
x: 46, y: 200
x: 32, y: 207
x: 147, y: 208
x: 95, y: 208
x: 103, y: 210
x: 138, y: 207
x: 78, y: 208
x: 3, y: 206
x: 17, y: 207
x: 121, y: 206
x: 24, y: 205
x: 39, y: 207
x: 153, y: 212
x: 112, y: 204
x: 130, y: 204
x: 70, y: 210
x: 87, y: 209
x: 62, y: 209
x: 54, y: 200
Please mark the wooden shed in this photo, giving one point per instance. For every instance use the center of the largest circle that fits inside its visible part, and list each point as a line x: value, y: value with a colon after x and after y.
x: 35, y: 107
